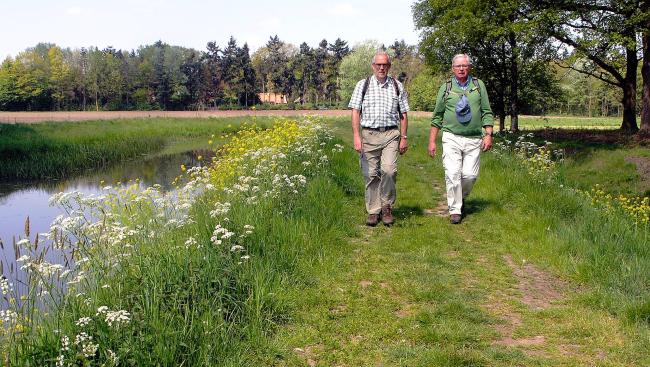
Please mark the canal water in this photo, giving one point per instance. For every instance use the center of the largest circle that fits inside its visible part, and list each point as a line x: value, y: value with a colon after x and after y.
x: 19, y: 201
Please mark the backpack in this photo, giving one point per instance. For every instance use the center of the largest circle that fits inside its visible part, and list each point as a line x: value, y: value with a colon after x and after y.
x: 365, y: 89
x: 448, y: 87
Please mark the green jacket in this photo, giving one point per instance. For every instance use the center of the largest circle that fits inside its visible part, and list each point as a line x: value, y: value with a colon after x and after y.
x: 444, y: 114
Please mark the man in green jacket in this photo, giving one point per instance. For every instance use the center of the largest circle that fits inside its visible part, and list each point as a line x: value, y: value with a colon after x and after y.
x: 464, y: 115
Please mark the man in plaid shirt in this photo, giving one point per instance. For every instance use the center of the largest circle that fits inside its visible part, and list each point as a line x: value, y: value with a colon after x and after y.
x: 379, y: 125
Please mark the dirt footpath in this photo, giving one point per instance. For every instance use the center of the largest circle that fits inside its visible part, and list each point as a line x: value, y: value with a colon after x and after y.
x: 33, y: 117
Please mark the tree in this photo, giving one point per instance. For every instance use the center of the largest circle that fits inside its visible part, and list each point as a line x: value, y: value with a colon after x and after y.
x: 423, y: 89
x: 320, y: 71
x: 280, y: 73
x: 605, y: 33
x: 499, y: 39
x: 247, y: 86
x: 644, y: 24
x: 230, y: 71
x: 303, y: 70
x: 60, y: 77
x: 211, y: 88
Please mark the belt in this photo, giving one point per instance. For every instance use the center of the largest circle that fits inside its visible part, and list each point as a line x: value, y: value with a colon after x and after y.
x: 382, y: 129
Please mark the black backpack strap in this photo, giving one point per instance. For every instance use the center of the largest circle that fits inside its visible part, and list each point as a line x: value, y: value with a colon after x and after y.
x: 399, y: 109
x: 447, y: 89
x: 364, y: 89
x: 477, y: 85
x: 363, y: 92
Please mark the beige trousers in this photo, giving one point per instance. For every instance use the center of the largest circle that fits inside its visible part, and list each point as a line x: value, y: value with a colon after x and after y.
x: 379, y: 166
x: 461, y: 160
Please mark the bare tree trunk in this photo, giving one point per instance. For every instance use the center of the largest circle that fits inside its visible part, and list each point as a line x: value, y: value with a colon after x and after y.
x: 645, y: 74
x: 514, y: 84
x: 629, y: 93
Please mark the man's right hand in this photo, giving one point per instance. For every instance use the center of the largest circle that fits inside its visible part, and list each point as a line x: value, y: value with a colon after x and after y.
x: 357, y: 144
x: 432, y: 149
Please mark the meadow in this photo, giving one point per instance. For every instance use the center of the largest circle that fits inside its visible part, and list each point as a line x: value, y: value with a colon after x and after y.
x: 262, y: 259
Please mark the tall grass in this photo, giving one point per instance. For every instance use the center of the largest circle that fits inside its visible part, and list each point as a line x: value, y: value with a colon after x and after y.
x: 543, y: 216
x: 191, y: 278
x: 58, y: 149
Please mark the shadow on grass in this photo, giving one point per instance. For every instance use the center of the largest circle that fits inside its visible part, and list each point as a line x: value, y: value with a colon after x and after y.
x: 407, y: 211
x: 474, y: 206
x: 579, y: 142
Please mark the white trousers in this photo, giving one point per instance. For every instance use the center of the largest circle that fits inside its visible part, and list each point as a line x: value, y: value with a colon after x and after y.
x: 461, y: 160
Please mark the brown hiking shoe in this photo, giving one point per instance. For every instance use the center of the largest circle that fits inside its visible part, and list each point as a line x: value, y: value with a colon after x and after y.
x: 454, y: 219
x: 387, y: 215
x: 372, y: 220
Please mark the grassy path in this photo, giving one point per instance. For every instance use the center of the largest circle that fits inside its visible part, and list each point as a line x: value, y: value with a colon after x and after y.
x: 493, y: 291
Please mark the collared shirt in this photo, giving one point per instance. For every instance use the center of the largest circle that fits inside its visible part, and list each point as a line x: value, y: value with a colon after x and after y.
x: 380, y: 102
x: 465, y: 85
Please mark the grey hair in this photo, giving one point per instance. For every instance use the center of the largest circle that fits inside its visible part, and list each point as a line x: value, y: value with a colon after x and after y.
x: 458, y: 56
x: 381, y: 53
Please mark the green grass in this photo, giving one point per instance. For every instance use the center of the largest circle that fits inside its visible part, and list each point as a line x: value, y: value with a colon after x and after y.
x: 610, y: 168
x: 426, y: 293
x: 534, y: 276
x: 59, y: 149
x: 566, y: 122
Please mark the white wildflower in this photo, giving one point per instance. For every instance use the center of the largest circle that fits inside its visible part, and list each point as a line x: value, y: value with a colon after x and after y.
x: 65, y: 343
x: 101, y: 310
x: 82, y: 338
x: 117, y: 317
x: 83, y: 321
x: 89, y: 350
x: 5, y: 286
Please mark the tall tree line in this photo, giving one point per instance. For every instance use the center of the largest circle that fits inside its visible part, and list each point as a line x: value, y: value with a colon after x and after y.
x: 160, y: 76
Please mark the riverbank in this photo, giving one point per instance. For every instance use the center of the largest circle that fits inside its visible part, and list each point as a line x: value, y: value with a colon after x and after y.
x: 56, y: 150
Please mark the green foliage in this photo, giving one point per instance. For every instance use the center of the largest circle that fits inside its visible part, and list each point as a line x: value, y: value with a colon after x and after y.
x: 509, y: 52
x: 423, y: 90
x: 356, y: 66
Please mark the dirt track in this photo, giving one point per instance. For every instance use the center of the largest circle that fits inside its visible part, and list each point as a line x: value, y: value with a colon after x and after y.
x: 33, y: 117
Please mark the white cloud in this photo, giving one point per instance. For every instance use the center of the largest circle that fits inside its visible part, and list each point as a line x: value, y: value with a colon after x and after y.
x: 75, y: 10
x: 342, y: 9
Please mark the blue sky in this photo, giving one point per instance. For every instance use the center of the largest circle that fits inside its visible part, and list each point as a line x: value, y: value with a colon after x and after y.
x: 127, y: 24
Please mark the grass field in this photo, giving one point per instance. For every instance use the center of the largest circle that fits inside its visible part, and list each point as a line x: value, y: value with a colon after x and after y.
x: 538, y: 273
x: 566, y: 122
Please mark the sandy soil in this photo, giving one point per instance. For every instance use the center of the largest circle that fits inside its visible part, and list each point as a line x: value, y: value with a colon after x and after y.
x: 33, y: 117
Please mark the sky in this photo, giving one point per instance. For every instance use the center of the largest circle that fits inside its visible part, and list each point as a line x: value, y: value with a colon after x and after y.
x: 128, y: 24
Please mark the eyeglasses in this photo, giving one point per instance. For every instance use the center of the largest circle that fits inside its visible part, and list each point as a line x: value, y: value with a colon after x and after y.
x: 379, y: 66
x: 464, y: 66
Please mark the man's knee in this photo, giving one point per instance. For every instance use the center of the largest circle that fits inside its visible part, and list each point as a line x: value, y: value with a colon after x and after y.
x: 374, y: 174
x: 453, y: 176
x: 390, y: 170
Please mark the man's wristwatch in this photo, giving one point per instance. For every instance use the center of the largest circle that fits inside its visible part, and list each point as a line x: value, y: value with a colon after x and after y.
x: 403, y: 136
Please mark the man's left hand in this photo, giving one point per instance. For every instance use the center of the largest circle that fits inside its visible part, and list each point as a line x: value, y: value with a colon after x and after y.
x: 403, y: 146
x: 486, y: 143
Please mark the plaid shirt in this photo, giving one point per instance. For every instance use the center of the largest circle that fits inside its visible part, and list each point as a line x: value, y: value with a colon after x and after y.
x: 379, y: 103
